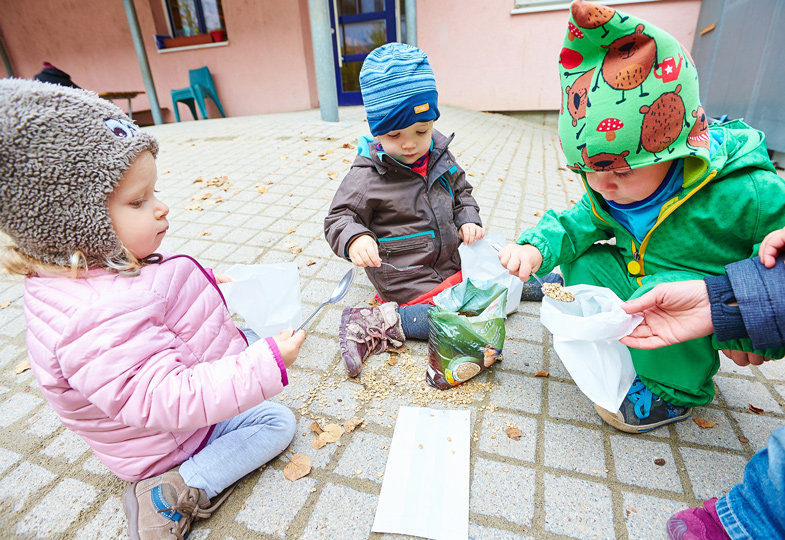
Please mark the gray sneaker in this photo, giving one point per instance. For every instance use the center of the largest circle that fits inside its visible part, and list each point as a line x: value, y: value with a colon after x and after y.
x: 642, y: 411
x: 367, y: 331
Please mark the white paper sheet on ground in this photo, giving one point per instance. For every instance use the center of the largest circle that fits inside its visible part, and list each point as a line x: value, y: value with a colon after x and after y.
x: 267, y: 296
x: 425, y: 491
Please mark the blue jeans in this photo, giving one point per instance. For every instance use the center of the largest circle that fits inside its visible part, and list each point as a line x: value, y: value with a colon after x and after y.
x: 756, y: 507
x: 414, y: 321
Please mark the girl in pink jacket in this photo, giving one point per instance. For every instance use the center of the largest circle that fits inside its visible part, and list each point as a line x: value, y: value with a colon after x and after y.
x: 135, y: 351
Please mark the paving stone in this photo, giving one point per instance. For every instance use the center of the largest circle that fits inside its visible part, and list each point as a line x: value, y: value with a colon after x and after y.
x: 58, y: 509
x: 577, y: 508
x: 574, y: 448
x: 21, y: 482
x: 263, y: 512
x: 44, y: 423
x: 494, y: 440
x: 517, y: 392
x: 568, y: 402
x: 12, y: 320
x: 525, y: 327
x: 773, y: 371
x: 318, y: 353
x: 479, y: 532
x: 303, y: 440
x: 67, y: 445
x: 17, y: 407
x: 296, y: 393
x: 502, y: 490
x: 634, y: 460
x: 108, y: 524
x: 741, y: 392
x: 328, y: 523
x: 521, y: 356
x: 336, y: 401
x: 757, y: 428
x: 721, y: 434
x: 94, y: 465
x: 8, y: 459
x: 365, y: 456
x: 712, y: 473
x: 729, y: 366
x: 646, y: 515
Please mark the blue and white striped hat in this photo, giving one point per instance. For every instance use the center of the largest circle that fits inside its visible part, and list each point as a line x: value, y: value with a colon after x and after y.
x: 398, y: 88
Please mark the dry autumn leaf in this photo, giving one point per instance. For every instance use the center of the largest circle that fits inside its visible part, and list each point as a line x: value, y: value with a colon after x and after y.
x: 201, y: 196
x: 316, y: 428
x: 542, y: 373
x: 352, y: 423
x: 310, y: 262
x: 290, y: 230
x: 514, y: 433
x: 203, y: 233
x: 753, y: 408
x: 196, y: 206
x: 318, y: 443
x: 5, y: 304
x: 704, y: 424
x: 198, y: 181
x: 348, y: 145
x: 743, y: 439
x: 299, y: 466
x: 289, y: 245
x: 297, y: 250
x: 332, y: 175
x: 332, y: 432
x: 260, y: 189
x: 21, y: 367
x: 392, y: 360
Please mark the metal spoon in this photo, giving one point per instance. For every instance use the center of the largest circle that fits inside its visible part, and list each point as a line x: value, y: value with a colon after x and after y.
x: 339, y: 292
x: 402, y: 268
x: 498, y: 248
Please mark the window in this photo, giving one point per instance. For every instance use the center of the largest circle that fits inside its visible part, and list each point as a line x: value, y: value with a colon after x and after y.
x: 195, y: 17
x: 532, y: 6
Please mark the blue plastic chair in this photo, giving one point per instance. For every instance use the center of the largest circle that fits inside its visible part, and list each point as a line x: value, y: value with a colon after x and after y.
x: 202, y: 86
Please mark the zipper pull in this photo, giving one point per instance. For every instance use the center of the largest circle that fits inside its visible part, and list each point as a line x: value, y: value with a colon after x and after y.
x: 634, y: 266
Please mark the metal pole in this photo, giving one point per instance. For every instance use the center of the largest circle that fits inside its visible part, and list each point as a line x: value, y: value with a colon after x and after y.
x: 319, y: 11
x: 411, y: 22
x: 141, y: 56
x: 6, y: 61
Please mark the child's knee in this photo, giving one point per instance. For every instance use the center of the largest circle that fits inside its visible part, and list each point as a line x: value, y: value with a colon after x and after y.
x: 285, y: 420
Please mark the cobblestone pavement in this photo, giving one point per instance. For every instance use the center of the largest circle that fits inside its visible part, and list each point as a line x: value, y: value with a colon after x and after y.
x: 569, y: 475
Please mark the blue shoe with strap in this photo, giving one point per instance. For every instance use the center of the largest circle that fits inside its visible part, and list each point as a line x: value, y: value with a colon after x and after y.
x: 642, y: 411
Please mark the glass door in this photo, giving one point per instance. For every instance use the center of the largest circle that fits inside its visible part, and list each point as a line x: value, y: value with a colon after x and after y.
x: 359, y: 26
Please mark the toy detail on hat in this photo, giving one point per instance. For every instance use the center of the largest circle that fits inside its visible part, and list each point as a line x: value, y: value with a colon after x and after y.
x: 630, y: 93
x: 398, y: 88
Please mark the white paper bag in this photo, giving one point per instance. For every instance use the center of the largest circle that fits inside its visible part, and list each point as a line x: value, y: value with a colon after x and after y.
x: 267, y: 296
x: 481, y: 263
x: 586, y: 336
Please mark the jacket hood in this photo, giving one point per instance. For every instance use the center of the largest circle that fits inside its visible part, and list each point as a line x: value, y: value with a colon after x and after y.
x: 740, y: 147
x: 629, y: 95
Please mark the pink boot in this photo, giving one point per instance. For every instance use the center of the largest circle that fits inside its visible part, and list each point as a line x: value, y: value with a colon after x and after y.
x: 697, y: 524
x: 366, y: 331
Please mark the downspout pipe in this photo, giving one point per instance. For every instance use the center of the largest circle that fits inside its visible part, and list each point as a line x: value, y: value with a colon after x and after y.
x: 411, y: 22
x: 321, y: 35
x: 141, y: 56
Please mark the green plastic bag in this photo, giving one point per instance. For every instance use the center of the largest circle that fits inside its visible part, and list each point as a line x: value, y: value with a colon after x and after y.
x: 465, y: 332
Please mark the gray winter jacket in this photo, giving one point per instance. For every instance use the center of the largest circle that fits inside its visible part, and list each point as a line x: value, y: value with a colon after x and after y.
x: 415, y: 220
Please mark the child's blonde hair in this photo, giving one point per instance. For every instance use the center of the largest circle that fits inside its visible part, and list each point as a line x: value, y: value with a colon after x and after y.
x: 15, y: 261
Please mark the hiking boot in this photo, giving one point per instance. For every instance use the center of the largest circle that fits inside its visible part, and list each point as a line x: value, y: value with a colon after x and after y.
x: 163, y: 507
x: 642, y: 411
x: 697, y: 523
x: 532, y: 290
x: 367, y: 331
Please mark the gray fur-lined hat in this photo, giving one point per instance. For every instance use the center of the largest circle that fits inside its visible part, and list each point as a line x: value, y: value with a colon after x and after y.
x: 62, y: 152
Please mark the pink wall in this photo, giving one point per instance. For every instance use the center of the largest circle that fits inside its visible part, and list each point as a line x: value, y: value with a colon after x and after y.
x: 267, y: 66
x: 486, y: 59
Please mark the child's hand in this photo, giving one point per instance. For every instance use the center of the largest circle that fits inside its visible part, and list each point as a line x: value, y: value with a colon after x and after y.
x: 520, y: 260
x: 770, y: 247
x: 470, y: 233
x: 222, y: 278
x: 363, y: 251
x: 742, y: 358
x: 289, y: 345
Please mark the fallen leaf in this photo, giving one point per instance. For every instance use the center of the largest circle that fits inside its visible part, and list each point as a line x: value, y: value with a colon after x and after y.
x: 630, y: 510
x: 500, y: 179
x: 392, y: 360
x: 542, y: 373
x: 514, y: 433
x: 21, y: 367
x: 470, y: 174
x: 743, y: 439
x: 318, y: 443
x: 352, y: 423
x: 316, y: 428
x: 5, y: 304
x: 196, y: 206
x: 659, y: 461
x: 753, y: 408
x: 332, y: 432
x: 289, y: 245
x: 704, y: 424
x: 204, y: 233
x: 348, y: 145
x: 198, y: 181
x: 201, y: 196
x: 538, y: 214
x: 299, y: 466
x: 332, y: 175
x: 297, y: 250
x: 261, y: 189
x: 310, y: 262
x: 291, y: 230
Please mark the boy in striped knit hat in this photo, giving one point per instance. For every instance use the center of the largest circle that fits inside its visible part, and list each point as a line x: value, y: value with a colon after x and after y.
x: 403, y: 208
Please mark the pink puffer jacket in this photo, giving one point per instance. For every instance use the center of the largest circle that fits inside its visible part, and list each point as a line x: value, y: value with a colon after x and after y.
x: 141, y: 367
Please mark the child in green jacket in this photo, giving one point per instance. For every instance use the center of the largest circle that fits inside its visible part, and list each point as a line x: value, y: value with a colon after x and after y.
x: 681, y: 198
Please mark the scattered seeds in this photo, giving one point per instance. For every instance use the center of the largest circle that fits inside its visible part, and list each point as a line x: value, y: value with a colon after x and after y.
x: 557, y: 292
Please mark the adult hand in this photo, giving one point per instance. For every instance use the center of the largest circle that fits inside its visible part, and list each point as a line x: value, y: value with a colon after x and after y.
x: 289, y: 343
x: 363, y: 251
x: 742, y: 358
x: 770, y: 247
x: 470, y: 233
x: 520, y: 260
x: 672, y: 313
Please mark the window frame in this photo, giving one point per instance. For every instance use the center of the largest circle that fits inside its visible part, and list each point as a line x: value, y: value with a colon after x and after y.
x: 536, y: 6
